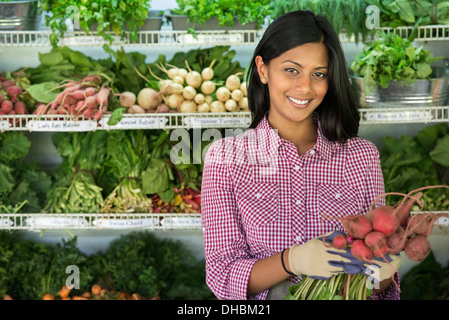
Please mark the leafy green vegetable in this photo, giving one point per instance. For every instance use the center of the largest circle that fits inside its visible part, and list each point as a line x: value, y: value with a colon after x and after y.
x: 119, y: 16
x: 76, y: 189
x: 390, y: 57
x: 21, y: 182
x: 407, y: 164
x: 395, y: 13
x: 224, y: 10
x: 347, y: 16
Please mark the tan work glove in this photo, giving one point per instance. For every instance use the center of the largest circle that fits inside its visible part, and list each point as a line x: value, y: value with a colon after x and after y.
x: 318, y: 261
x: 380, y: 270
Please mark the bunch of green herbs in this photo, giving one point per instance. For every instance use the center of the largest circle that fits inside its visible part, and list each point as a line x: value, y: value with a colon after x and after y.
x: 392, y: 58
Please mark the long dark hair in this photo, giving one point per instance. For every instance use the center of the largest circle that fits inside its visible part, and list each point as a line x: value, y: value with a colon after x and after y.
x: 338, y: 113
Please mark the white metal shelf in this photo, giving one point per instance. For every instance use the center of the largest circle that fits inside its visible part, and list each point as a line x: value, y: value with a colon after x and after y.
x: 99, y: 221
x: 63, y: 123
x: 38, y: 38
x: 55, y: 123
x: 121, y: 221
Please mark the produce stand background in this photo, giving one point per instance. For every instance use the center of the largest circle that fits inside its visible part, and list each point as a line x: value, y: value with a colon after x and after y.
x: 91, y: 241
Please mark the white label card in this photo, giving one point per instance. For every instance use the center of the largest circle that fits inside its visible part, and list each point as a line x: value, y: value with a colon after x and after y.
x: 216, y: 121
x: 61, y: 125
x: 125, y: 223
x: 135, y: 123
x: 399, y: 116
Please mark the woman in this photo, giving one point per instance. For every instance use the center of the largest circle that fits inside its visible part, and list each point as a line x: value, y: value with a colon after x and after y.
x: 268, y: 194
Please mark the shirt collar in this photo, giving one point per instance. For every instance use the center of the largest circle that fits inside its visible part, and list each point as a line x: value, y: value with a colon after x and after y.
x: 270, y: 138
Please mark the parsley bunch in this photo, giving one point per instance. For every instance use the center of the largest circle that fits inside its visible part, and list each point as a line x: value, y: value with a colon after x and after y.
x: 390, y: 57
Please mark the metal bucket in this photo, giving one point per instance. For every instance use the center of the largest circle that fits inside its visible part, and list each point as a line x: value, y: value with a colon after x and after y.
x: 422, y: 93
x: 18, y: 15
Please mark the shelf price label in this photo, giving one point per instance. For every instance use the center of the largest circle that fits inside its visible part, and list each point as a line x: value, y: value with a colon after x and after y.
x: 4, y: 125
x: 216, y: 121
x: 103, y: 223
x: 62, y: 125
x: 135, y: 123
x: 181, y: 222
x: 399, y: 116
x: 55, y: 222
x: 209, y: 38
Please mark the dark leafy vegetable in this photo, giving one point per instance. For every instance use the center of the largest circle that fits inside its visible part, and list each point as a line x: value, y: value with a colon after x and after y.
x: 390, y: 57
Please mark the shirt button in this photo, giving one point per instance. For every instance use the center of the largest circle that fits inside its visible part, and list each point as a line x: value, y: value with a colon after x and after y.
x: 312, y: 151
x: 337, y: 195
x: 297, y: 168
x: 258, y: 195
x: 298, y: 201
x: 298, y: 239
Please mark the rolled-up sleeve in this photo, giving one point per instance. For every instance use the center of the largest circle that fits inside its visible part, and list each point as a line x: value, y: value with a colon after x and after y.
x: 228, y: 265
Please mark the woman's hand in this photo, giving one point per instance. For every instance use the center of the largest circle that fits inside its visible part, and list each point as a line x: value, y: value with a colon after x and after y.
x: 317, y: 259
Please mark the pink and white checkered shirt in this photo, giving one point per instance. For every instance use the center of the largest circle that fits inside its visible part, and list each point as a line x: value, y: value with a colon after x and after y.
x: 259, y: 196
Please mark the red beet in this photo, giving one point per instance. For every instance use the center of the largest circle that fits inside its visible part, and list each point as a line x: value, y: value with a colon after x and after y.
x: 377, y: 242
x: 384, y: 220
x: 403, y: 209
x: 340, y: 241
x: 396, y: 242
x: 7, y: 106
x: 417, y: 248
x: 360, y: 251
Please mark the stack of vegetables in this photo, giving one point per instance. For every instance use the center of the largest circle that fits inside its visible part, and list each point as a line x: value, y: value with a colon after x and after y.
x: 134, y: 266
x: 388, y: 229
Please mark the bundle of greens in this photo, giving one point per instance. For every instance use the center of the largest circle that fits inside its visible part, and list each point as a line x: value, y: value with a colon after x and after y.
x: 390, y: 57
x: 106, y: 15
x: 396, y: 13
x: 339, y: 287
x: 138, y: 262
x: 76, y: 189
x: 128, y: 155
x: 410, y: 162
x: 23, y: 184
x: 345, y: 16
x: 225, y: 11
x: 32, y: 269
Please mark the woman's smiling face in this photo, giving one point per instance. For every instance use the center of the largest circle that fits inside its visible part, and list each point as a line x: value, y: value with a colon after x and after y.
x: 297, y: 81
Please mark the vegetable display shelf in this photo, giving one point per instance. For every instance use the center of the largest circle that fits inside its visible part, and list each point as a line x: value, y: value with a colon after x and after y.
x: 121, y: 221
x: 52, y: 123
x: 99, y: 221
x: 62, y: 123
x: 183, y: 37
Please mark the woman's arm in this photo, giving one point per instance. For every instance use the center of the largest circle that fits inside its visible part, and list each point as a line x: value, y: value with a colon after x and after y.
x: 268, y: 272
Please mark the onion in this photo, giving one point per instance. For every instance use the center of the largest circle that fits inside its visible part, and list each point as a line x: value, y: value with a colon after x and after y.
x: 189, y: 92
x: 127, y: 99
x: 174, y: 101
x: 237, y: 95
x: 243, y: 104
x: 223, y: 94
x: 231, y: 105
x: 208, y: 73
x: 217, y: 106
x: 233, y: 82
x: 203, y: 107
x: 193, y: 77
x: 244, y: 88
x: 188, y: 106
x: 199, y: 98
x: 208, y: 87
x: 135, y: 109
x: 149, y: 98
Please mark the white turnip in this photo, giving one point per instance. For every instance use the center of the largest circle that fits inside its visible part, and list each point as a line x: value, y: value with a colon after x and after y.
x: 149, y: 98
x: 127, y: 99
x: 193, y: 77
x: 223, y: 94
x: 233, y: 82
x: 188, y: 106
x: 208, y: 72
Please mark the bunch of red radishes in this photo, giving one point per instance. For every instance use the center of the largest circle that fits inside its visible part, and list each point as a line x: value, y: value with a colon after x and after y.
x: 11, y: 102
x: 86, y: 99
x: 389, y: 230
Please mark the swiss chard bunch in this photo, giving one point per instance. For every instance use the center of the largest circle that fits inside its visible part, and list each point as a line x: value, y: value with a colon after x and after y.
x: 127, y: 157
x: 390, y: 57
x: 76, y: 189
